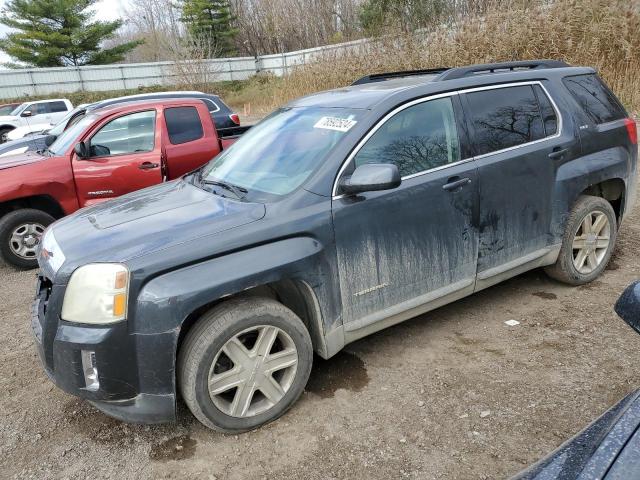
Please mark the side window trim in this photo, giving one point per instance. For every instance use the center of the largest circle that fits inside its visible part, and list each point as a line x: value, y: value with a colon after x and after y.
x: 363, y: 140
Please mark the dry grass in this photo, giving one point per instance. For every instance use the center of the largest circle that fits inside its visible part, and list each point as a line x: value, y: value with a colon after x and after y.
x: 604, y: 34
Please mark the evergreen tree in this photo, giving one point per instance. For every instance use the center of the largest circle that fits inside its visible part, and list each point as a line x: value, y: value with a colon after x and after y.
x: 53, y: 33
x: 210, y: 21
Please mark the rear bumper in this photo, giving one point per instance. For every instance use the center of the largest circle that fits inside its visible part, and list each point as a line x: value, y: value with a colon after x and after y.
x: 126, y: 388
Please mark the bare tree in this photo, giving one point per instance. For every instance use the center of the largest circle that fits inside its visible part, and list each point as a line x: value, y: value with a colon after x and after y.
x: 193, y: 65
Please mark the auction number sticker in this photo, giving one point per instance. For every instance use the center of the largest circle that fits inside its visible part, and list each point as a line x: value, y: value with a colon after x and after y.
x: 334, y: 123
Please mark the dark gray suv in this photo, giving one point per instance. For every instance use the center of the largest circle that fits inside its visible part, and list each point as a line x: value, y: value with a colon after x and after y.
x: 341, y: 214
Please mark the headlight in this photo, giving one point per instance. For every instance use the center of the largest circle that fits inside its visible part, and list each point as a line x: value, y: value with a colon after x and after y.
x: 97, y: 294
x: 50, y: 252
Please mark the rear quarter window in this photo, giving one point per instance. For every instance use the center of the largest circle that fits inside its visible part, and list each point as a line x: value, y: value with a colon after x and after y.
x: 597, y: 101
x: 212, y: 106
x: 183, y: 124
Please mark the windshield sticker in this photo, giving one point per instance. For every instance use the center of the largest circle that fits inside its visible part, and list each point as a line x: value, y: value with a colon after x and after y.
x: 334, y: 123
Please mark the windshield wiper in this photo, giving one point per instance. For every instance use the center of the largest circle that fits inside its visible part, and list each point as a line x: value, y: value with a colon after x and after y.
x: 239, y: 192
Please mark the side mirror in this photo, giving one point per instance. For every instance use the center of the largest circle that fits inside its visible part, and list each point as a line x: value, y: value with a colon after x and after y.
x: 81, y: 150
x: 49, y: 139
x: 26, y: 113
x: 628, y: 306
x: 371, y: 177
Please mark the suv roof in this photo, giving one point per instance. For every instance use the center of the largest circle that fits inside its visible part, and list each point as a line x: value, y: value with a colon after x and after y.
x: 135, y: 104
x: 156, y: 96
x: 370, y: 90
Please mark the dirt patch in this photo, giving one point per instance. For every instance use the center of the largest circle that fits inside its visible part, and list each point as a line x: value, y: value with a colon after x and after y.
x: 176, y: 448
x: 545, y: 295
x: 344, y: 370
x: 454, y: 393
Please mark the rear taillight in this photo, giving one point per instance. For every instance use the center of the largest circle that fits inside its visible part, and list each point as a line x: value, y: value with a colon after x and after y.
x: 632, y: 130
x: 235, y: 118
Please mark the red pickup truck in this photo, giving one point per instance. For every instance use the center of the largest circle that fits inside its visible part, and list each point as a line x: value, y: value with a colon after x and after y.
x: 107, y: 153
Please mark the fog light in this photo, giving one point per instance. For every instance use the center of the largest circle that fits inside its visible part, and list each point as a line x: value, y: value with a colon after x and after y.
x: 90, y: 370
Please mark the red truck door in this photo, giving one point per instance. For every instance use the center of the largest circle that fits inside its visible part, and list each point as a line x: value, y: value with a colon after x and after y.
x: 125, y: 155
x: 190, y: 139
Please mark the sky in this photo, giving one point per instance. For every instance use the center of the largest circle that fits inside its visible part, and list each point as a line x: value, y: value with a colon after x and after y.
x: 105, y: 10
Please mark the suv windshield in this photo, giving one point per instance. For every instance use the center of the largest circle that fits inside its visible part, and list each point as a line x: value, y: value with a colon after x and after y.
x: 278, y: 154
x: 69, y: 136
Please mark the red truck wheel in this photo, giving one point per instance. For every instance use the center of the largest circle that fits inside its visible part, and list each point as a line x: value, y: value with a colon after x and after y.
x: 20, y: 233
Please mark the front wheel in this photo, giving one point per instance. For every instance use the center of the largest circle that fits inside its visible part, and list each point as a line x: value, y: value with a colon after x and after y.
x: 244, y: 364
x: 20, y: 234
x: 588, y: 242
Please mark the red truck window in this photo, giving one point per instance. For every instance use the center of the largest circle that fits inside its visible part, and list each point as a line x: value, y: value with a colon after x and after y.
x: 183, y: 124
x: 133, y: 133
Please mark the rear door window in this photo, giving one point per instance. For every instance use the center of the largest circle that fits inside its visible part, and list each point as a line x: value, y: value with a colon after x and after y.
x: 56, y: 107
x: 418, y: 138
x: 504, y: 118
x: 183, y: 124
x: 598, y: 102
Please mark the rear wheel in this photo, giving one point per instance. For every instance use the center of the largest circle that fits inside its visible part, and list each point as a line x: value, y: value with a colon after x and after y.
x: 20, y: 234
x: 588, y: 242
x: 244, y: 364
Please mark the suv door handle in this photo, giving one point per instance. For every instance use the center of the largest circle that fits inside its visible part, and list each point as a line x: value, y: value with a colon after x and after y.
x: 148, y: 165
x: 455, y: 183
x: 558, y: 153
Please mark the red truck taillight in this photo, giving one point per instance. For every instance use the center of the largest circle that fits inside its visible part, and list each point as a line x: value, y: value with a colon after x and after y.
x: 632, y: 130
x: 235, y: 118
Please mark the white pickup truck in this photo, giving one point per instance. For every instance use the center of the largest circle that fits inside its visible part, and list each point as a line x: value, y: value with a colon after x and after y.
x: 33, y: 117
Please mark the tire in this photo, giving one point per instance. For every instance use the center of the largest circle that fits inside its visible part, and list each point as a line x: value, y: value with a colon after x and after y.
x: 223, y: 326
x: 12, y: 222
x: 3, y: 132
x: 565, y: 269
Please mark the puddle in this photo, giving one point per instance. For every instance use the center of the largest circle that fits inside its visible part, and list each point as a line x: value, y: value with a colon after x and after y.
x: 176, y: 448
x: 344, y: 370
x: 545, y: 295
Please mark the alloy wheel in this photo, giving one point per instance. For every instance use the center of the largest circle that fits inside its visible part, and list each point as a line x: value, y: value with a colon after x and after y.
x: 591, y: 242
x: 253, y: 371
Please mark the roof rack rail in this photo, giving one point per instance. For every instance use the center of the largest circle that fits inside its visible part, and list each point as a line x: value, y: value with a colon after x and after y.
x: 380, y: 77
x: 484, y: 68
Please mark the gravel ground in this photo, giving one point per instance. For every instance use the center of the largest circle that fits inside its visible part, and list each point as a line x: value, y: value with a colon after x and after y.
x: 455, y: 393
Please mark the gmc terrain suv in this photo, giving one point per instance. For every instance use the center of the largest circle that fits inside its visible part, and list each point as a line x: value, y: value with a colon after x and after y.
x: 338, y: 215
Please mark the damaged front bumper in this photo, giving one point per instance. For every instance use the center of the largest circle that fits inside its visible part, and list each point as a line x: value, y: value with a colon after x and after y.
x: 102, y: 364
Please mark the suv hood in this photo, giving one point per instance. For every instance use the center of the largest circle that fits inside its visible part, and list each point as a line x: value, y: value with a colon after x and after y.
x: 18, y: 159
x: 8, y: 118
x: 148, y: 221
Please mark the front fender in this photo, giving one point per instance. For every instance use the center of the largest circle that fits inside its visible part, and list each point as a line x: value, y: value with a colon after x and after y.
x: 166, y: 301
